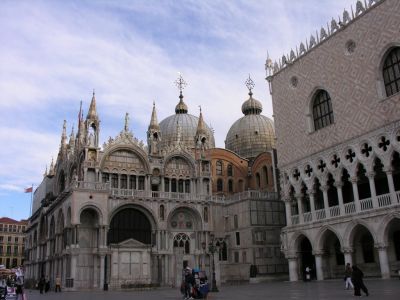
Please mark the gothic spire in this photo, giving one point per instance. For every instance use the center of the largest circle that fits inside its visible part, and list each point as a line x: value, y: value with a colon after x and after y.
x: 92, y: 113
x: 201, y: 129
x: 153, y: 121
x: 64, y: 136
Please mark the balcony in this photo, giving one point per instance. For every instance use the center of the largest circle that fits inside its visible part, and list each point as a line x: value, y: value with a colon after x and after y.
x: 143, y: 194
x: 349, y: 209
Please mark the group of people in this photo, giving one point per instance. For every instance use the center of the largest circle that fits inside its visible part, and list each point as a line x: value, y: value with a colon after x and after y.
x: 44, y: 284
x: 353, y: 278
x: 194, y: 284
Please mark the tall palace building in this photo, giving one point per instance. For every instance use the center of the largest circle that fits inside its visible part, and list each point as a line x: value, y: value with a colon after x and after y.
x: 337, y: 115
x: 128, y: 214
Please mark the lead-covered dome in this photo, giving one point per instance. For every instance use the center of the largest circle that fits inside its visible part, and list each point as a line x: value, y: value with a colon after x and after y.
x: 252, y: 134
x: 182, y: 128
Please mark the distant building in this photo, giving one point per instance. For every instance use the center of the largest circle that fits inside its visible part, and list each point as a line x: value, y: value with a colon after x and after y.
x: 336, y: 104
x: 128, y: 214
x: 12, y: 242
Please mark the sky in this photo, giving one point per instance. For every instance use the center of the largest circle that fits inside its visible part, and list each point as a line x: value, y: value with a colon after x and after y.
x: 53, y: 54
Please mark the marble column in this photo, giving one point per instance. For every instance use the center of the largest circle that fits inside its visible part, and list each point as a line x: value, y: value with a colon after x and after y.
x: 391, y: 186
x: 324, y: 189
x: 318, y: 265
x: 288, y: 209
x: 383, y: 261
x: 371, y: 179
x: 293, y: 268
x: 102, y: 270
x: 299, y: 198
x: 338, y: 186
x: 311, y: 195
x: 348, y: 255
x: 355, y: 193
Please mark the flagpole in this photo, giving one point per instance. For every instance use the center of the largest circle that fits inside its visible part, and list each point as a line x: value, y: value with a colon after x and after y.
x: 30, y: 209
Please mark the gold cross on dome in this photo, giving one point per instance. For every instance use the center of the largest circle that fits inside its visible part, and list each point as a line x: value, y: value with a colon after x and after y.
x: 180, y: 83
x: 249, y: 83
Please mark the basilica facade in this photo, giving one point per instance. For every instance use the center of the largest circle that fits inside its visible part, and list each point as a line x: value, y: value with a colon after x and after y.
x: 337, y: 114
x: 127, y: 213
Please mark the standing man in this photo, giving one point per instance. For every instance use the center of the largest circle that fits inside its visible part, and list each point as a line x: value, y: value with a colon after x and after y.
x: 58, y: 283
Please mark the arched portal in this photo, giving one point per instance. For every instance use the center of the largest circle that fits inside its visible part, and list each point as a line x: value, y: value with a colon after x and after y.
x: 392, y: 238
x: 306, y: 257
x: 332, y: 256
x: 365, y: 254
x: 129, y: 223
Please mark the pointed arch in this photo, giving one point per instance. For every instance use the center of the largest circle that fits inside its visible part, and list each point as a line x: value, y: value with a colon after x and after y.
x: 322, y: 234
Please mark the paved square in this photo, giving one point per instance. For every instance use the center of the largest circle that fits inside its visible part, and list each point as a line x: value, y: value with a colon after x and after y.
x: 329, y: 289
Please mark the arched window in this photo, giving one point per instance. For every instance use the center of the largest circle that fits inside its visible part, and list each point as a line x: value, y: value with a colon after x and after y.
x: 391, y: 72
x: 220, y: 185
x: 230, y: 186
x: 182, y: 241
x: 218, y: 168
x: 229, y: 170
x: 205, y: 214
x: 265, y: 172
x: 162, y: 212
x: 322, y: 110
x: 258, y: 180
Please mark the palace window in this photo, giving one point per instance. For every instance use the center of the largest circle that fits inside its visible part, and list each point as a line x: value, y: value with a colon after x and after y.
x: 220, y: 185
x: 391, y: 72
x: 219, y: 168
x: 229, y: 170
x: 322, y: 110
x: 230, y: 186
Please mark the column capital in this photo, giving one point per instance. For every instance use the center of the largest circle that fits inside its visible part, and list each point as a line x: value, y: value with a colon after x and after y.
x: 311, y: 193
x: 380, y: 246
x: 298, y: 196
x: 318, y: 252
x: 292, y: 256
x: 338, y: 184
x: 371, y: 175
x: 348, y: 250
x: 354, y: 179
x: 324, y: 187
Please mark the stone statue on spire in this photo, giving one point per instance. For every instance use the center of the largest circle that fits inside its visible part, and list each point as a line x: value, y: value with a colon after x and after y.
x: 126, y: 128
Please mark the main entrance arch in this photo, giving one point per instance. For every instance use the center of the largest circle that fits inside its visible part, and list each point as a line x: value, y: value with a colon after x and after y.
x: 130, y: 242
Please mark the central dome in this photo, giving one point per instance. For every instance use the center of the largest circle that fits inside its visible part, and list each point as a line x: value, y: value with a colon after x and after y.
x: 181, y: 128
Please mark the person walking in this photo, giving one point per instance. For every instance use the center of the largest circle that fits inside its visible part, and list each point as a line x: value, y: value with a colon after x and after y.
x: 347, y: 277
x: 42, y: 283
x: 19, y: 289
x: 308, y: 273
x: 58, y: 283
x: 47, y: 285
x: 357, y: 279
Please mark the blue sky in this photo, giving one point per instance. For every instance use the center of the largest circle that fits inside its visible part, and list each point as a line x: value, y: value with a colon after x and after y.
x: 54, y: 53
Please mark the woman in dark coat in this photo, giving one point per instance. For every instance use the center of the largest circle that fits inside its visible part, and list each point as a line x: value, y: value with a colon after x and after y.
x: 357, y: 279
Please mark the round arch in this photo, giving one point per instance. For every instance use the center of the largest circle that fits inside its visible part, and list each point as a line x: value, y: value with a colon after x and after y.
x: 184, y: 213
x: 93, y: 206
x: 182, y: 156
x: 129, y: 222
x: 131, y: 148
x: 322, y: 235
x: 142, y: 208
x: 351, y: 229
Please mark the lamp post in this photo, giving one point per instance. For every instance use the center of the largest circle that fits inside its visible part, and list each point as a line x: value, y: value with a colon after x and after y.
x: 212, y: 248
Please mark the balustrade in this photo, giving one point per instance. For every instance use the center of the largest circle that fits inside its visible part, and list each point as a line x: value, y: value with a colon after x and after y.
x: 349, y: 208
x: 320, y: 214
x: 384, y: 200
x: 295, y: 219
x: 366, y: 204
x: 334, y: 211
x: 307, y: 217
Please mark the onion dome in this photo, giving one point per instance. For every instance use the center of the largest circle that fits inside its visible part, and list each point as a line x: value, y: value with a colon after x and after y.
x: 253, y: 133
x: 181, y: 128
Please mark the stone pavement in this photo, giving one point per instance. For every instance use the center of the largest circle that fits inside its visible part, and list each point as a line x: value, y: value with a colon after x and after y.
x: 324, y: 290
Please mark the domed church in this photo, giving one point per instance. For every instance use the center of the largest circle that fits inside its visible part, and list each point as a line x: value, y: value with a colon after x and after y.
x: 127, y: 214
